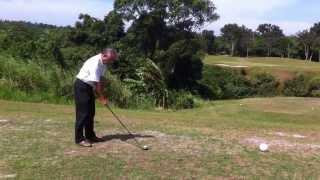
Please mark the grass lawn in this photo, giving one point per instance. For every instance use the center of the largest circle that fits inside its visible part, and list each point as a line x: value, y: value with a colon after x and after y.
x: 282, y: 68
x: 218, y: 141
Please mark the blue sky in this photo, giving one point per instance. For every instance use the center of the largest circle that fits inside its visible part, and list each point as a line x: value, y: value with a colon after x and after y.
x: 291, y: 15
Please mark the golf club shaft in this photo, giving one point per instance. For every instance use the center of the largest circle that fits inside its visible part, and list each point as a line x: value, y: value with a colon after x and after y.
x: 124, y: 126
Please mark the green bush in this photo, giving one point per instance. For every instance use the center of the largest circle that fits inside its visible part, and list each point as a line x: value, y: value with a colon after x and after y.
x: 315, y: 93
x: 265, y: 84
x: 314, y: 87
x: 298, y: 86
x: 24, y: 76
x: 116, y: 91
x: 224, y: 83
x: 181, y: 100
x: 123, y: 94
x: 27, y: 81
x: 141, y: 101
x: 10, y: 93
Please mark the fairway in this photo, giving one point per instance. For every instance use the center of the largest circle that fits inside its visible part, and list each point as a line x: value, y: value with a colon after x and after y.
x: 281, y: 68
x: 217, y: 141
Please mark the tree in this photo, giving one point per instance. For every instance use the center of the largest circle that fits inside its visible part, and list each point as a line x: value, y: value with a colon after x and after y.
x: 283, y: 47
x: 146, y: 34
x: 114, y: 27
x: 155, y: 22
x: 89, y: 30
x: 20, y: 41
x: 292, y: 46
x: 316, y: 30
x: 163, y: 30
x: 307, y: 39
x: 271, y: 35
x: 246, y: 39
x: 184, y: 65
x: 231, y: 33
x: 317, y: 46
x: 208, y: 38
x: 183, y: 14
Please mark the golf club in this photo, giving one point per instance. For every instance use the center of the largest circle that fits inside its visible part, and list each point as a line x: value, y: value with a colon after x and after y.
x: 128, y: 131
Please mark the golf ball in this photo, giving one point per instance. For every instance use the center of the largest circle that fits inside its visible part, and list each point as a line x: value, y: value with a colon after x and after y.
x: 145, y: 147
x: 263, y: 147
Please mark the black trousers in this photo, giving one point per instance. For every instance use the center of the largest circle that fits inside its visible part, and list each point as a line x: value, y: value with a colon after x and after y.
x: 85, y: 111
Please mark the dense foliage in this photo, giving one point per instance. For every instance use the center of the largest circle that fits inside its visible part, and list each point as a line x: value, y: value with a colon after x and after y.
x: 268, y: 40
x: 161, y: 54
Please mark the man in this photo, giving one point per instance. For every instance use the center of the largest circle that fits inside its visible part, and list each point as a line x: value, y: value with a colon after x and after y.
x: 89, y: 79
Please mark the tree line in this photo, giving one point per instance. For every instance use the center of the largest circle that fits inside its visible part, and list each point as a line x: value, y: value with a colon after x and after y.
x: 267, y: 40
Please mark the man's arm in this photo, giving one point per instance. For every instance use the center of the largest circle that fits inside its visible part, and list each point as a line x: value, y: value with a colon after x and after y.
x: 99, y: 90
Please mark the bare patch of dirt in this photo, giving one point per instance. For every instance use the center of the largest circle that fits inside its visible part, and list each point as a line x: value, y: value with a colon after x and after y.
x: 3, y: 169
x: 282, y: 134
x: 119, y: 143
x: 8, y: 176
x: 4, y: 123
x: 283, y: 75
x: 175, y: 151
x: 282, y: 145
x: 4, y: 120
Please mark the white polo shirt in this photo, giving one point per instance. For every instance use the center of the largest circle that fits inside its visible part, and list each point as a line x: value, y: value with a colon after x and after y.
x: 92, y: 70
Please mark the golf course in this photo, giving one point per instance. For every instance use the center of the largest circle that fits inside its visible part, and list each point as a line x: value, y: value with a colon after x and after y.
x: 282, y: 68
x: 217, y: 140
x: 159, y: 90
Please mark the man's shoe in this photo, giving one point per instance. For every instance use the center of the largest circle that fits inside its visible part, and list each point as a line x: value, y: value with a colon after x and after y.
x: 85, y: 144
x: 95, y: 139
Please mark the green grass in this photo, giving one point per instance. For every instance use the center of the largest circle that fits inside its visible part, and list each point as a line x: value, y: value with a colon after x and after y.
x: 283, y: 68
x: 204, y: 143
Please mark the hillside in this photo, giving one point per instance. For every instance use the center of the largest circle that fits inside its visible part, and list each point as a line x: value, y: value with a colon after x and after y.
x: 282, y: 68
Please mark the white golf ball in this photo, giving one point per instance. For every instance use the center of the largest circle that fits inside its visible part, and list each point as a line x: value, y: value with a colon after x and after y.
x: 145, y: 147
x: 263, y: 147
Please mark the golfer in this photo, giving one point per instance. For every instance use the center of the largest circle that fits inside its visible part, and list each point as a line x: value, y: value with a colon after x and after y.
x: 89, y: 81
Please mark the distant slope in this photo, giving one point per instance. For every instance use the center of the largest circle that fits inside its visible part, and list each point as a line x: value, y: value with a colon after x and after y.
x: 282, y: 68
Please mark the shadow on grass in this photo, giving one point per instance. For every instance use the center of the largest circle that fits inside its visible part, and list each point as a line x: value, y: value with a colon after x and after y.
x: 124, y: 137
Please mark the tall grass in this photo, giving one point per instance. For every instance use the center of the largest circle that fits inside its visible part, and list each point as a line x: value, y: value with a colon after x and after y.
x: 27, y: 81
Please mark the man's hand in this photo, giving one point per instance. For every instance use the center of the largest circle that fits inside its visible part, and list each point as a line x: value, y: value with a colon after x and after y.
x: 99, y: 89
x: 103, y: 100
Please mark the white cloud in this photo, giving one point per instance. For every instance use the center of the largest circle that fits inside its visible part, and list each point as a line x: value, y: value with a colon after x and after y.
x: 60, y: 12
x: 293, y: 27
x: 249, y: 8
x: 251, y: 13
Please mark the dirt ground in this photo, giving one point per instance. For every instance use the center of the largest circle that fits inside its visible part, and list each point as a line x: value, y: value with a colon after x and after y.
x: 120, y: 143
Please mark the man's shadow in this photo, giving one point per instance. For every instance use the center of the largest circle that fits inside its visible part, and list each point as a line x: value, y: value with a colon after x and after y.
x: 124, y: 137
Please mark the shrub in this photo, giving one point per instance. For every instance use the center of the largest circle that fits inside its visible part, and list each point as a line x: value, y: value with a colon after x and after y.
x: 116, y: 91
x: 61, y: 83
x: 264, y: 84
x: 141, y: 101
x: 208, y: 90
x: 314, y: 87
x: 315, y: 93
x: 27, y: 77
x: 181, y: 100
x: 27, y: 81
x: 298, y: 86
x: 224, y: 83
